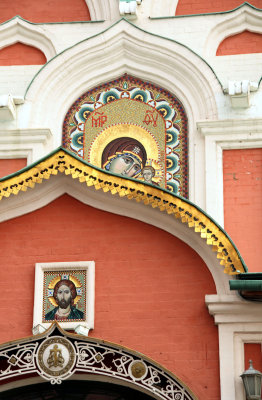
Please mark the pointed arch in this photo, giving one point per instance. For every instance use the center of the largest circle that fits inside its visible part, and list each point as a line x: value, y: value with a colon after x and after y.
x: 123, y: 48
x: 245, y: 42
x: 19, y: 30
x: 21, y: 54
x: 242, y: 18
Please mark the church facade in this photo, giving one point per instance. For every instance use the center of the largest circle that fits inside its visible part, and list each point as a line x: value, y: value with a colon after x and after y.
x: 130, y: 199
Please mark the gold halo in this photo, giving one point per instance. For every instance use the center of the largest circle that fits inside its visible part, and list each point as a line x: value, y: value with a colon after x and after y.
x: 118, y: 131
x: 54, y: 282
x: 75, y: 280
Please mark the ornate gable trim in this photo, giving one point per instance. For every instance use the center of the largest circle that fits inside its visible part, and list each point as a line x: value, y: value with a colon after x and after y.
x: 62, y: 161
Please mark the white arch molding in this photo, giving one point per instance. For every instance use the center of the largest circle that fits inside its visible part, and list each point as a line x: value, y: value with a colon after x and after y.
x: 243, y: 18
x: 124, y: 48
x: 19, y: 30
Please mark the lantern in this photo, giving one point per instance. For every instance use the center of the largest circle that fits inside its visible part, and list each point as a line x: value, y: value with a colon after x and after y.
x: 252, y: 380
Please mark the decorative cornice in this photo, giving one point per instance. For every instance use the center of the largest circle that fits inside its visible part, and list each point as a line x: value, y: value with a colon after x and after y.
x: 228, y: 127
x: 66, y: 163
x: 228, y: 309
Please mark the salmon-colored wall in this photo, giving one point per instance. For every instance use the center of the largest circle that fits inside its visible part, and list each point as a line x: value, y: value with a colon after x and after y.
x: 186, y: 7
x: 243, y: 203
x: 243, y: 43
x: 253, y: 352
x: 45, y: 11
x: 21, y: 54
x: 10, y: 165
x: 150, y: 286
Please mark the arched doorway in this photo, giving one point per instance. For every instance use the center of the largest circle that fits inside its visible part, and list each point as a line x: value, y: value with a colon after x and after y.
x: 74, y: 390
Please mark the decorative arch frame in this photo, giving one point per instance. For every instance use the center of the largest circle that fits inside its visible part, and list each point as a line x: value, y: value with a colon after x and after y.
x: 19, y: 30
x: 92, y: 358
x: 245, y: 17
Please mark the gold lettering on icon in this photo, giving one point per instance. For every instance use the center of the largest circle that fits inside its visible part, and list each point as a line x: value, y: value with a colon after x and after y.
x: 55, y: 358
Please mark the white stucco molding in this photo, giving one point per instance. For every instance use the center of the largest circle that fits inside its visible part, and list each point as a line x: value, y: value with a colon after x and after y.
x: 58, y: 185
x: 31, y: 144
x: 246, y: 17
x: 238, y: 322
x: 19, y: 30
x: 103, y: 9
x: 163, y: 8
x: 123, y: 48
x: 219, y: 136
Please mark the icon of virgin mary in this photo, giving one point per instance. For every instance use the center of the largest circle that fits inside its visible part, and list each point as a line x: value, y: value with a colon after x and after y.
x: 124, y: 156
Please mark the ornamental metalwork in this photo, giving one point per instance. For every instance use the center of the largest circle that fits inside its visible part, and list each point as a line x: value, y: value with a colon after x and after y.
x: 56, y: 355
x: 56, y: 358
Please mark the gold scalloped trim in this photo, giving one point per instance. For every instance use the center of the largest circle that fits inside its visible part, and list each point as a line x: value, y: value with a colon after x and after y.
x: 152, y: 196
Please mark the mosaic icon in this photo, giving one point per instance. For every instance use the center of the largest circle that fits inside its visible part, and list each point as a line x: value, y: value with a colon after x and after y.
x: 63, y: 293
x: 131, y: 128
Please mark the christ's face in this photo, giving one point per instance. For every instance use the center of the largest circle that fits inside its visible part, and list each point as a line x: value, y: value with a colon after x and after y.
x: 63, y: 297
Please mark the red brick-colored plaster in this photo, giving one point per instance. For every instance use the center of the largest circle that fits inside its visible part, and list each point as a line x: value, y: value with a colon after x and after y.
x: 45, y: 11
x: 243, y: 203
x: 21, y: 54
x: 10, y: 165
x: 243, y: 43
x: 150, y: 286
x: 186, y: 7
x: 253, y: 352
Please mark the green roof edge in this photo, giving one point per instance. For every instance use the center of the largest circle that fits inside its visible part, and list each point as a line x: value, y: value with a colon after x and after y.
x: 248, y: 284
x: 28, y: 167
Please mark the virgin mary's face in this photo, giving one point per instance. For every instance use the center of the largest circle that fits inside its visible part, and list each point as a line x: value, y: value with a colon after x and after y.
x: 125, y: 165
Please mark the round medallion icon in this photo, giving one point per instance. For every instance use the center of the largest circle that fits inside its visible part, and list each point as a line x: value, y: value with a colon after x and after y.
x: 55, y: 359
